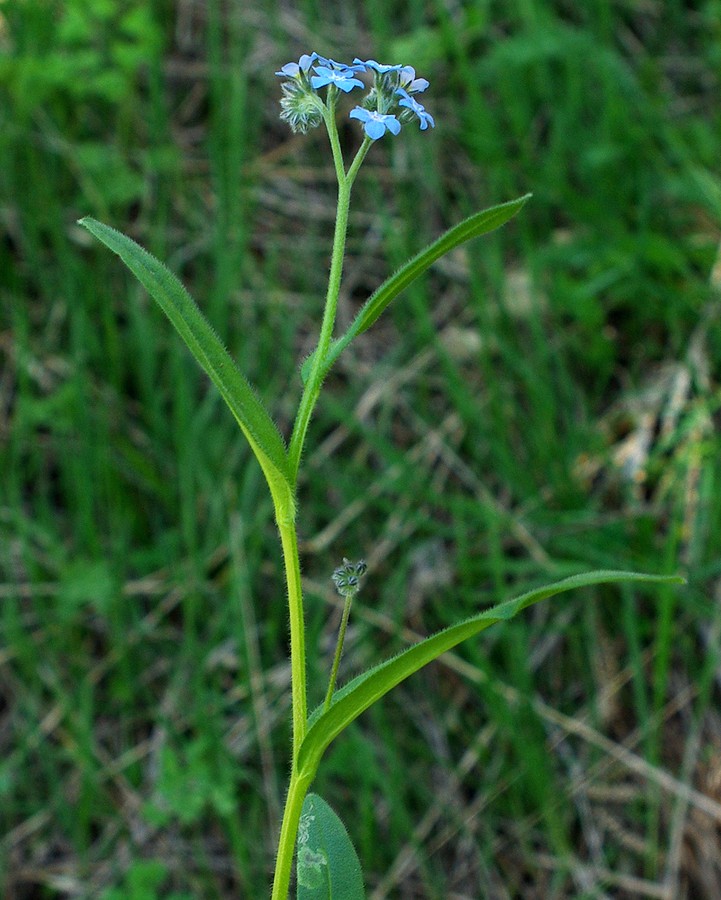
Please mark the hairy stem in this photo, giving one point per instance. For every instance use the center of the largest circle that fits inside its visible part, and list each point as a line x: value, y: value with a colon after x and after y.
x: 359, y: 157
x: 315, y: 379
x: 338, y: 650
x: 297, y: 789
x: 299, y: 784
x: 289, y: 541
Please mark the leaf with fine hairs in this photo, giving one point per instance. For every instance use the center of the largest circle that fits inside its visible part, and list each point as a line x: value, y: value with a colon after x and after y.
x: 474, y: 226
x: 327, y: 865
x: 364, y: 690
x: 206, y: 347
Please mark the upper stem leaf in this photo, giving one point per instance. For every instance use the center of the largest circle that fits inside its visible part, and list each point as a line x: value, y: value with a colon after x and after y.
x: 206, y: 347
x: 364, y: 690
x: 474, y: 226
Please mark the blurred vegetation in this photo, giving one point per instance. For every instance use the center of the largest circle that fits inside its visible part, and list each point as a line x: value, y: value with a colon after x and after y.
x: 546, y: 401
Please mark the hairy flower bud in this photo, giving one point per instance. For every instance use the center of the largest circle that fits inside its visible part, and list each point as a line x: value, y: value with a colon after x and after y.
x: 301, y: 108
x: 347, y: 577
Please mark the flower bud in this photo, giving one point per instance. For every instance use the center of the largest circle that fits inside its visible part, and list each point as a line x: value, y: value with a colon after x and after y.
x: 347, y: 577
x: 301, y: 107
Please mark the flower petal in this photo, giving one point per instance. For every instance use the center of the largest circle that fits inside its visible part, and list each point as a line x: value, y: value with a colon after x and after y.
x: 374, y: 129
x: 289, y: 70
x: 359, y: 113
x: 347, y: 84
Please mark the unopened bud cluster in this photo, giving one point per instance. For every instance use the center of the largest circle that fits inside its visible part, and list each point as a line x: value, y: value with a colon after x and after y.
x: 389, y: 103
x: 347, y: 577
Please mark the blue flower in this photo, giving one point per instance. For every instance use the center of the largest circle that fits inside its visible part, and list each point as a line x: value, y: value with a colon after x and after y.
x: 377, y: 67
x: 357, y: 66
x: 375, y: 124
x: 408, y: 81
x: 293, y: 70
x: 414, y: 106
x: 302, y: 67
x: 344, y: 79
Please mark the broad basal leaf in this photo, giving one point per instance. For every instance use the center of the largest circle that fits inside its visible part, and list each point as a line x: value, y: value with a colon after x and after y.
x: 363, y: 691
x: 326, y: 863
x: 474, y: 226
x: 204, y: 344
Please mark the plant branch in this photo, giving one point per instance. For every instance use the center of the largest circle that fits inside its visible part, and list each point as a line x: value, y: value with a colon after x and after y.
x: 313, y: 385
x: 297, y: 789
x: 338, y: 650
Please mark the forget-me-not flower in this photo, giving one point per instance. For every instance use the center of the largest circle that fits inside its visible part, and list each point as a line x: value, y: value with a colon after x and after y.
x: 356, y: 66
x: 375, y: 124
x: 414, y: 106
x: 301, y: 107
x: 409, y: 82
x: 344, y: 79
x: 385, y: 107
x: 293, y: 70
x: 376, y: 66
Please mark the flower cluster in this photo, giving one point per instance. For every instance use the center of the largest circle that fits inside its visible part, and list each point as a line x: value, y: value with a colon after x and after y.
x: 347, y: 577
x: 388, y: 104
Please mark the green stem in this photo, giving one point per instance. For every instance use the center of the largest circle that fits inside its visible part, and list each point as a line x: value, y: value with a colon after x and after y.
x: 313, y: 385
x: 299, y: 784
x: 338, y: 651
x: 359, y: 157
x: 289, y: 541
x: 329, y: 119
x: 297, y: 789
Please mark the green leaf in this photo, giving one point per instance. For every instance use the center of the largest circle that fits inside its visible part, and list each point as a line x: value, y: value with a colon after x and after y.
x: 327, y: 864
x: 363, y: 691
x: 204, y: 344
x: 474, y: 226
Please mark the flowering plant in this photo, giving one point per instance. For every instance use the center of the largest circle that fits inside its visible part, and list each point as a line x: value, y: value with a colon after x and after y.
x: 327, y: 866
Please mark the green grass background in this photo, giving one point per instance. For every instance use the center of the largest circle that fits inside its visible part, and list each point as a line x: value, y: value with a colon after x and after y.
x: 545, y: 401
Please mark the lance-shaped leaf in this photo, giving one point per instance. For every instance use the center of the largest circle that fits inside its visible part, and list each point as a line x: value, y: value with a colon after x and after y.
x: 206, y: 347
x: 363, y: 691
x: 474, y: 226
x: 326, y: 863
